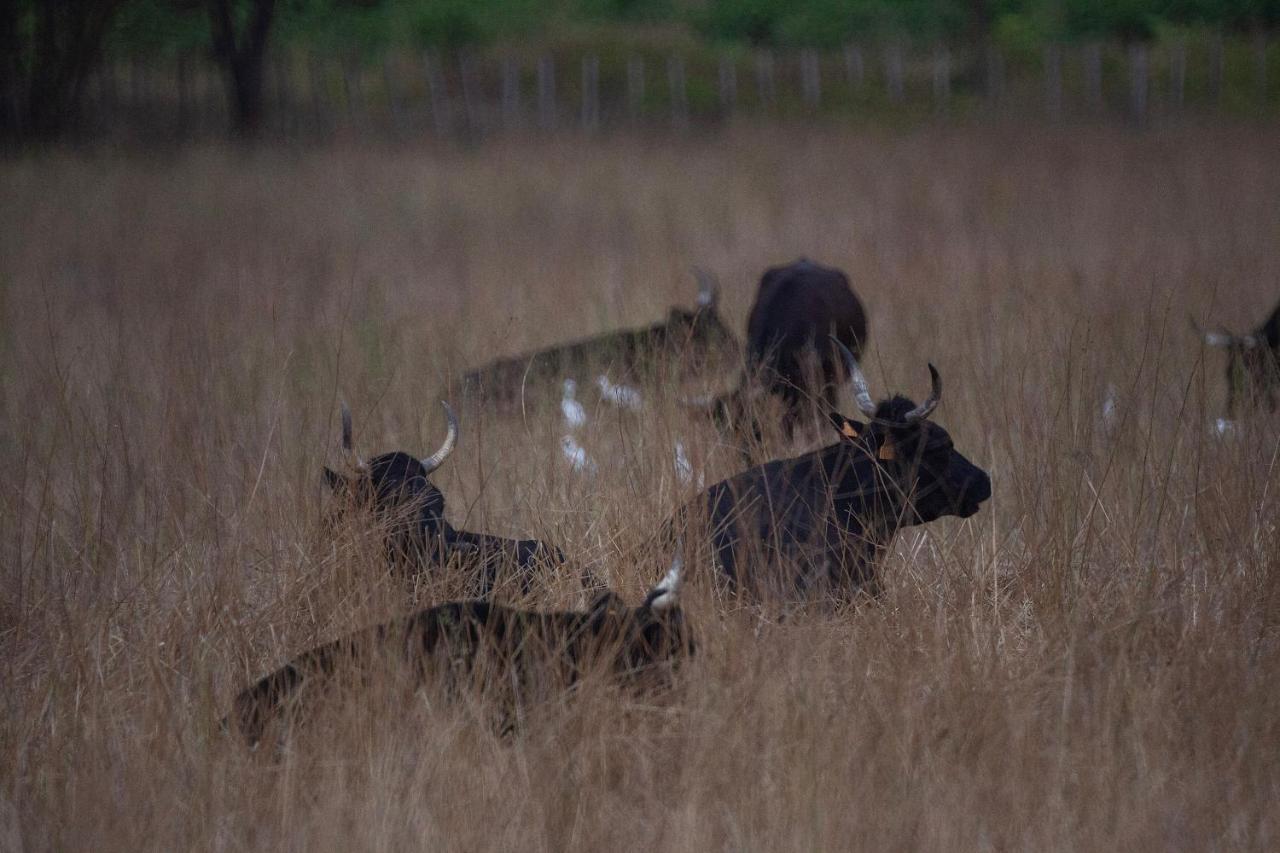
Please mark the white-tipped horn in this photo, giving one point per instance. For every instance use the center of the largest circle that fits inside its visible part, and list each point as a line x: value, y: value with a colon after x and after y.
x: 857, y: 382
x: 926, y: 408
x: 348, y: 449
x: 708, y: 288
x: 436, y: 459
x: 667, y: 593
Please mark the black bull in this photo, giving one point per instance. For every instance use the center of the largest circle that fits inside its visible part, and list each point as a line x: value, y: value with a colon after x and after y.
x: 395, y: 488
x: 802, y: 311
x: 814, y: 525
x: 488, y: 647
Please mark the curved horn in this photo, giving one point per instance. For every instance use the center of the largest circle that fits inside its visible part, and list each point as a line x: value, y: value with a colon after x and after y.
x: 667, y: 593
x: 926, y: 408
x: 436, y: 459
x: 352, y: 457
x: 857, y: 382
x: 708, y: 288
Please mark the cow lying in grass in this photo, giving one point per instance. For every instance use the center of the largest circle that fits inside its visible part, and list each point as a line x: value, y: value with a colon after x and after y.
x: 510, y: 654
x: 394, y: 488
x: 815, y: 525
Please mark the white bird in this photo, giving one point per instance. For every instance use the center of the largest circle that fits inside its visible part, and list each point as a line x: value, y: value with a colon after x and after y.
x: 577, y: 455
x: 623, y: 396
x: 683, y: 469
x: 1110, y: 408
x: 574, y: 415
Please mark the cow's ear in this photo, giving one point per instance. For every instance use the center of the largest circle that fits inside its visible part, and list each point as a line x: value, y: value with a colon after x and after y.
x: 334, y: 480
x: 848, y: 429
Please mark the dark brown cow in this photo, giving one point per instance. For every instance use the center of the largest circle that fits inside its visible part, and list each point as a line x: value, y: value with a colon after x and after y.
x: 683, y: 337
x: 395, y: 489
x: 801, y: 309
x: 504, y: 652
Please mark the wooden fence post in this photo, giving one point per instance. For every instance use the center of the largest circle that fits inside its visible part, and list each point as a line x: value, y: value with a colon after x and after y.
x: 1177, y: 74
x: 1216, y: 67
x: 855, y: 68
x: 679, y: 92
x: 810, y: 79
x: 510, y: 93
x: 766, y: 88
x: 728, y: 85
x: 941, y: 77
x: 590, y: 92
x: 895, y: 86
x: 441, y: 114
x: 635, y: 87
x: 472, y: 98
x: 1092, y: 56
x: 353, y: 88
x: 1053, y: 80
x: 1260, y: 66
x: 1138, y: 81
x: 995, y: 74
x: 547, y: 93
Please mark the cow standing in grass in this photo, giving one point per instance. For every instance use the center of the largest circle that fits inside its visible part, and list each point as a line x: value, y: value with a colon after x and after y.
x: 815, y: 525
x: 684, y: 337
x: 802, y: 310
x: 1253, y: 364
x: 510, y: 655
x: 396, y: 490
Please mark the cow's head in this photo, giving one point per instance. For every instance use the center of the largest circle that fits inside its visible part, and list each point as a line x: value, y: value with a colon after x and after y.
x: 650, y: 639
x: 701, y: 325
x: 394, y: 486
x: 930, y: 476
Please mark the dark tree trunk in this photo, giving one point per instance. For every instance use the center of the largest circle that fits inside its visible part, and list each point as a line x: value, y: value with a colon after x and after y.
x: 241, y: 47
x: 41, y: 81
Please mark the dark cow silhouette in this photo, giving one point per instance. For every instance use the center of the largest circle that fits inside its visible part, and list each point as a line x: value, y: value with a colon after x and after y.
x: 801, y: 310
x: 815, y: 524
x: 684, y: 336
x: 514, y: 654
x: 395, y: 488
x: 1253, y: 364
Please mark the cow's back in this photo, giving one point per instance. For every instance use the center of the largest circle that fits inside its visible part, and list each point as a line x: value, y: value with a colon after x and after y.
x: 799, y: 304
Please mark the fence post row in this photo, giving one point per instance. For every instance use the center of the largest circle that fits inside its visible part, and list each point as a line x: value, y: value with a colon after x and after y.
x: 188, y: 95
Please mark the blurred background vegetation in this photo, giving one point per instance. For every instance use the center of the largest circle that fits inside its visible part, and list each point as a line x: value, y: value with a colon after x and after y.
x: 49, y: 48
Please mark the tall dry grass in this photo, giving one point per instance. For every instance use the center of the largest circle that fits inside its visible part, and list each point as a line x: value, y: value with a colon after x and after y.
x: 1090, y: 662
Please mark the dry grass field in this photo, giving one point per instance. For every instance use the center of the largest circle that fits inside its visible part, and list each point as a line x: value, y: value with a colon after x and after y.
x: 1091, y: 662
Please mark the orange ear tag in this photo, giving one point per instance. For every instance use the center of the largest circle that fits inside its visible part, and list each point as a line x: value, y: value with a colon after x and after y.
x: 887, y: 451
x: 848, y: 430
